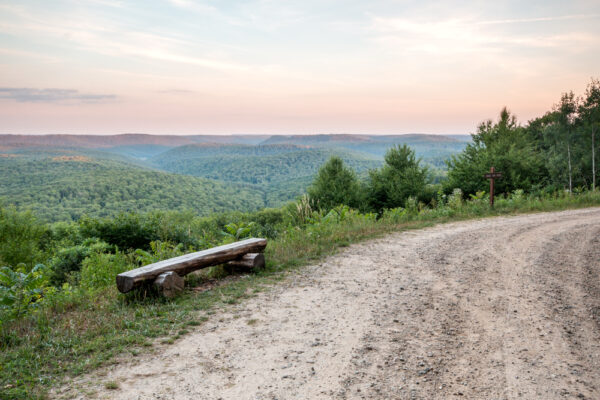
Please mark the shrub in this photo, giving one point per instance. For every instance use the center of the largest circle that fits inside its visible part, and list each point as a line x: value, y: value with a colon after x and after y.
x: 234, y: 232
x: 101, y: 269
x: 394, y: 215
x: 158, y: 251
x: 455, y: 200
x: 68, y: 260
x: 21, y: 237
x: 126, y: 231
x: 21, y: 290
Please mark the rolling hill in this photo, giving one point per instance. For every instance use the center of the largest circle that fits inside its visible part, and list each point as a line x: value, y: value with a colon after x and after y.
x: 433, y: 149
x: 62, y: 177
x: 65, y: 187
x: 261, y: 165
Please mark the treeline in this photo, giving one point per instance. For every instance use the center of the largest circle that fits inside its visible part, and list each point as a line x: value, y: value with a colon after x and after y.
x: 548, y: 154
x: 556, y: 151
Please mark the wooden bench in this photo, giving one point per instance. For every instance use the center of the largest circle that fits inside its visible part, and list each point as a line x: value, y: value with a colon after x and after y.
x: 168, y: 275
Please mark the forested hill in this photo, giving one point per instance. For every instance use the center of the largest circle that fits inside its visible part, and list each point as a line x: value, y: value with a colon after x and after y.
x: 254, y: 164
x: 433, y: 149
x: 65, y: 187
x: 62, y: 177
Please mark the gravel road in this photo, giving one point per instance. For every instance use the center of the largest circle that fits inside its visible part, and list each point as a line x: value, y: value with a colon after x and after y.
x: 500, y: 308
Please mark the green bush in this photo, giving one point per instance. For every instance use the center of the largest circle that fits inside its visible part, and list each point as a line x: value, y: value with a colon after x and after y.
x: 101, y: 269
x: 68, y: 260
x: 394, y: 215
x: 22, y: 238
x: 126, y: 231
x: 158, y: 251
x: 455, y: 200
x: 21, y: 290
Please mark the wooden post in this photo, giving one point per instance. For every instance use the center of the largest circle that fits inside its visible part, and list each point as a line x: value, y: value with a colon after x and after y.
x: 250, y: 261
x: 493, y: 175
x: 169, y: 284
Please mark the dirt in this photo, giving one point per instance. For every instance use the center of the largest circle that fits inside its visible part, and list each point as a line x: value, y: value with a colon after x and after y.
x: 500, y: 308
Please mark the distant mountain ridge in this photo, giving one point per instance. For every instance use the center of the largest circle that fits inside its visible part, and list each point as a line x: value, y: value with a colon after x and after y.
x: 337, y: 138
x: 128, y: 139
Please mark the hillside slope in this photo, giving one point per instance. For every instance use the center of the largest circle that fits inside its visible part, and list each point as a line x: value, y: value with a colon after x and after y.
x: 65, y: 187
x: 433, y: 149
x: 254, y: 164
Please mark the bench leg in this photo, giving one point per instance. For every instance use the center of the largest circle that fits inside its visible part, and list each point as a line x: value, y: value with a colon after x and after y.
x: 169, y: 284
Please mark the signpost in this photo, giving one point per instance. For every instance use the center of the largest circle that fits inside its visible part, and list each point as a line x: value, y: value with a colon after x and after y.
x: 492, y: 176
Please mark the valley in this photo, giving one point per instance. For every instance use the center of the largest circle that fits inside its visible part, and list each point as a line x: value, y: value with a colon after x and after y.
x: 63, y: 177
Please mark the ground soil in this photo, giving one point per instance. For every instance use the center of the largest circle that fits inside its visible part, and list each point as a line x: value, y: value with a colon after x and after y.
x: 500, y: 308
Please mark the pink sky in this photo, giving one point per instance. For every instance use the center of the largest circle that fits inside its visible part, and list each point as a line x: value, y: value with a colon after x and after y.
x: 193, y: 67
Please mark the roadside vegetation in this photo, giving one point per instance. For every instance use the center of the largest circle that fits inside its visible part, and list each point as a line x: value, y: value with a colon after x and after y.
x: 60, y: 312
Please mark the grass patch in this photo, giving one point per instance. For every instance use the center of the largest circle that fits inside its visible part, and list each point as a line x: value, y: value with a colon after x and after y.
x: 112, y: 385
x: 88, y: 330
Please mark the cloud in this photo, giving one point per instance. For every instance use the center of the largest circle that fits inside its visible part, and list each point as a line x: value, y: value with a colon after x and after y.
x: 469, y: 35
x: 51, y: 95
x: 540, y: 19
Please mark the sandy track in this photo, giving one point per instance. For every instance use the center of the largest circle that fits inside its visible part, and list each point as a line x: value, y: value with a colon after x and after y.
x: 500, y: 308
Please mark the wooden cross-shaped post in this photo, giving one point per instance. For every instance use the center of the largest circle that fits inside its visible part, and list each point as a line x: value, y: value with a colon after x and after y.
x: 492, y: 176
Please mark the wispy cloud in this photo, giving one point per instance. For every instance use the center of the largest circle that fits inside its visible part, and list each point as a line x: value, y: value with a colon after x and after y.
x: 540, y: 19
x: 52, y: 95
x: 470, y: 35
x: 111, y: 39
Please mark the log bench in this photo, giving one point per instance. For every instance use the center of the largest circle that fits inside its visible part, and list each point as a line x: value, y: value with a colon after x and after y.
x: 167, y: 275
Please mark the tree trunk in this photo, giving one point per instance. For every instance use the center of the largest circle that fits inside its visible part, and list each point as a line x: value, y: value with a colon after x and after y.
x: 593, y: 159
x: 570, y: 175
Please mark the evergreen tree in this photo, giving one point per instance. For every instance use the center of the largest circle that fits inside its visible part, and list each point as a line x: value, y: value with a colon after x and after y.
x: 401, y: 177
x: 335, y: 184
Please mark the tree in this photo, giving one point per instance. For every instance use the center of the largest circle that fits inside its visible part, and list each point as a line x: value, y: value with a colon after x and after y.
x: 566, y: 117
x: 504, y: 145
x: 564, y: 133
x: 401, y: 177
x: 335, y: 184
x: 589, y: 112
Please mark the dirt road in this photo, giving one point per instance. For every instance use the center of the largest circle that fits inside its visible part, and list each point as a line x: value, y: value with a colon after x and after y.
x: 501, y: 308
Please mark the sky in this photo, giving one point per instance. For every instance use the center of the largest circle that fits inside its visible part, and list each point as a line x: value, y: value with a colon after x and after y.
x: 288, y: 67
